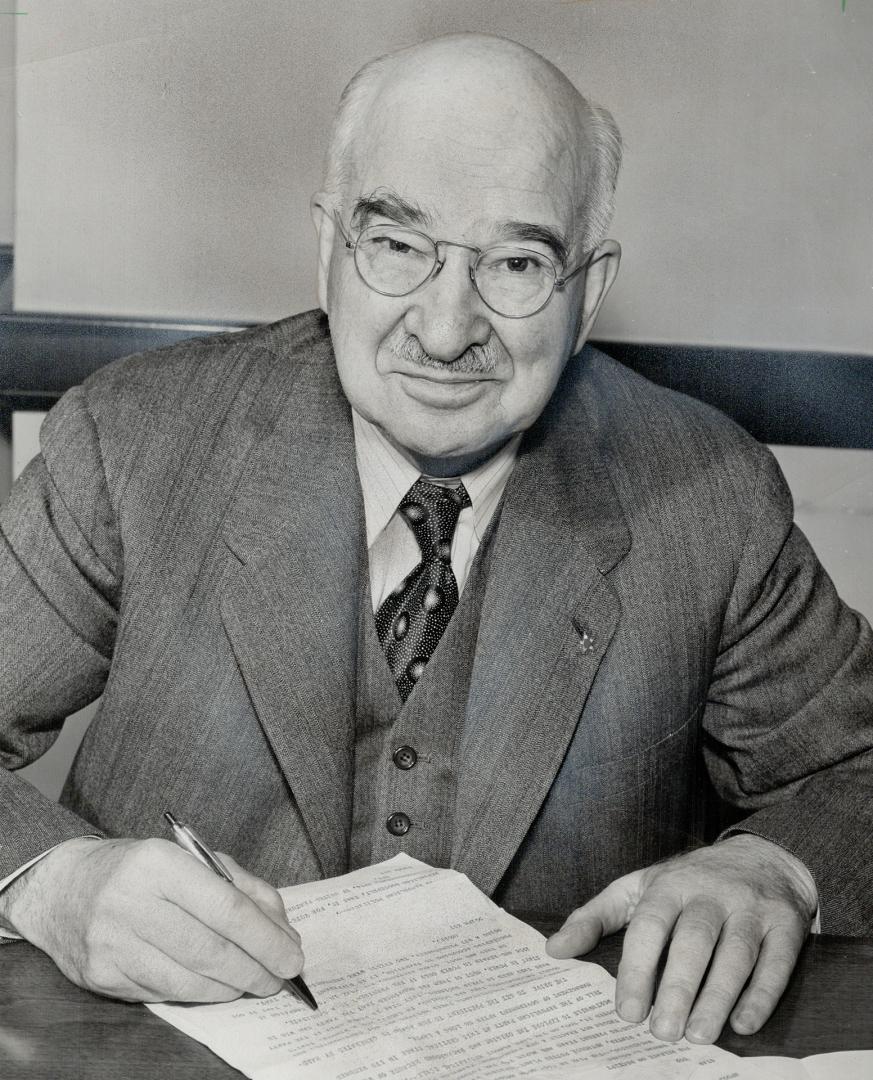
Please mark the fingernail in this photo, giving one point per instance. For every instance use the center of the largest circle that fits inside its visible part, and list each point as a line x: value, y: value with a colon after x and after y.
x: 632, y: 1010
x: 562, y: 940
x: 700, y: 1031
x: 664, y: 1027
x: 744, y: 1024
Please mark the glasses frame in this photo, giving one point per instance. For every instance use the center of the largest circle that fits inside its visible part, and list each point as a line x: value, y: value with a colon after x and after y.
x: 558, y: 284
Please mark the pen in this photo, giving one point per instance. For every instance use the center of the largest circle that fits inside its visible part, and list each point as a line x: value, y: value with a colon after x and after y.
x: 186, y: 838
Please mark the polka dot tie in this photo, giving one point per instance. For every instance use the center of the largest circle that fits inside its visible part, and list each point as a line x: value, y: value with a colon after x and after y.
x: 412, y: 619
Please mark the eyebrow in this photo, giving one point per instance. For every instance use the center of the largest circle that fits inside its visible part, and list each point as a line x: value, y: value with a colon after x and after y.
x: 388, y: 204
x: 542, y: 234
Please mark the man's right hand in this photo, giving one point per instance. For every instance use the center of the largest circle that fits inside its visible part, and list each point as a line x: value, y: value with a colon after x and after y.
x: 144, y: 921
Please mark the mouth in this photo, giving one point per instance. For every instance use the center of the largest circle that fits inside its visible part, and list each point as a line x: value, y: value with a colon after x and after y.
x: 445, y: 378
x: 443, y: 389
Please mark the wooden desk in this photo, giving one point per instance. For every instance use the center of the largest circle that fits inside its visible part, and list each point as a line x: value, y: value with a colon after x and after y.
x: 52, y: 1030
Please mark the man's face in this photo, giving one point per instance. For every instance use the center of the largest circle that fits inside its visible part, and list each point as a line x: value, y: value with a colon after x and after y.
x: 444, y: 377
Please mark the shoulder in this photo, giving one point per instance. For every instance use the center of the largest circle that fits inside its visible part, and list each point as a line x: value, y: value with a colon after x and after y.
x: 196, y: 367
x: 657, y: 442
x: 146, y: 421
x: 183, y: 390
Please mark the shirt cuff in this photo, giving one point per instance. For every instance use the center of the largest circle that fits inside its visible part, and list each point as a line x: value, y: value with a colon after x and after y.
x: 10, y: 935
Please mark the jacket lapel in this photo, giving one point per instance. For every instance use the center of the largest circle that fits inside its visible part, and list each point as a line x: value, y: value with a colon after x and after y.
x: 290, y: 605
x: 548, y: 616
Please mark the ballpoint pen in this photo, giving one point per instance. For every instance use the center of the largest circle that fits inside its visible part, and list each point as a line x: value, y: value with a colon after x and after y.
x: 186, y: 838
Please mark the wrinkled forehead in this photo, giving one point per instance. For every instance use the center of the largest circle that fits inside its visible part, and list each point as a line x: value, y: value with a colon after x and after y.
x: 484, y: 145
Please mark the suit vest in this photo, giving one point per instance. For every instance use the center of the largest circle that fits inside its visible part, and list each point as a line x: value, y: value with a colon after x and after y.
x: 407, y: 753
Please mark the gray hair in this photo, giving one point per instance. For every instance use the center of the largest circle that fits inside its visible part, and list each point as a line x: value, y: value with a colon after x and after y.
x: 596, y: 203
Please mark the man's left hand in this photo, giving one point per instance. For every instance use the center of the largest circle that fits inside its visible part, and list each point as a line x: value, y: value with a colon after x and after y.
x: 737, y: 913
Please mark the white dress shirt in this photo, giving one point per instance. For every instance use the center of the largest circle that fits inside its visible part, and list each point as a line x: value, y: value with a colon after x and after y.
x: 386, y: 476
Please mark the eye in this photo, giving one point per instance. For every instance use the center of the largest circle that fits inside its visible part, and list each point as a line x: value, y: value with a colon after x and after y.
x: 391, y: 243
x: 516, y: 264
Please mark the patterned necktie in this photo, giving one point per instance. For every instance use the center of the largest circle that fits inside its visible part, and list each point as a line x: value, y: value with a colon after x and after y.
x: 411, y: 621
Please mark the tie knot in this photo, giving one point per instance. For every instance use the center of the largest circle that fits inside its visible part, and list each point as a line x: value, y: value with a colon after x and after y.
x: 431, y: 511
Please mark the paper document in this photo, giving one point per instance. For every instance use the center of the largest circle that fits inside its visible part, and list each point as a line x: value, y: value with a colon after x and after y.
x: 419, y: 975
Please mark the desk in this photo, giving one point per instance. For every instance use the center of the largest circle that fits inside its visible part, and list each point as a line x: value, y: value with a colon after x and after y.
x: 52, y: 1030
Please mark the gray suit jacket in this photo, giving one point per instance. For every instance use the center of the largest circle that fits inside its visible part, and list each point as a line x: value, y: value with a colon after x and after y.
x: 190, y: 544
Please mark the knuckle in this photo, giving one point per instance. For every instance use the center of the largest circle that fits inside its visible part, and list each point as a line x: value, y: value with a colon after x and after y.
x: 758, y: 1003
x: 704, y: 908
x: 208, y: 953
x: 783, y: 946
x: 701, y: 927
x: 741, y: 951
x: 717, y: 999
x: 767, y: 985
x: 231, y: 904
x: 270, y: 899
x: 634, y: 968
x: 145, y: 853
x: 678, y: 988
x: 649, y: 919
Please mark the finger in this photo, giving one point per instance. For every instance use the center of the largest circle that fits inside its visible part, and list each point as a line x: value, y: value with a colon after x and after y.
x: 231, y: 914
x: 735, y: 958
x: 159, y: 977
x: 647, y: 934
x: 204, y: 953
x: 695, y: 937
x: 262, y: 893
x: 144, y: 973
x: 779, y: 952
x: 604, y: 913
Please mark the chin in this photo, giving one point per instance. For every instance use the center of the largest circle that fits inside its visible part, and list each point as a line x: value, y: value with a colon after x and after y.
x: 442, y: 457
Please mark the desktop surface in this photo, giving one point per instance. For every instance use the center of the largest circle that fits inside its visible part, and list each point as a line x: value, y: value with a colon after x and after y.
x: 53, y: 1030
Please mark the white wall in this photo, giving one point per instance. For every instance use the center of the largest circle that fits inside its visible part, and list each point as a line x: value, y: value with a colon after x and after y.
x: 167, y: 152
x: 7, y: 123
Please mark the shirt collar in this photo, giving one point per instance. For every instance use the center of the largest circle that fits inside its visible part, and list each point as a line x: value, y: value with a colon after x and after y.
x: 386, y: 476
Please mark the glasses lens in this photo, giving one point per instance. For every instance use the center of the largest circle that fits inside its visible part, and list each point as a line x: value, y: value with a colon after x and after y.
x: 514, y: 281
x: 394, y: 260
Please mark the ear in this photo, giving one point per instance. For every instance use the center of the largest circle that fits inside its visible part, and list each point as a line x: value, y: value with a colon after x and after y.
x: 325, y: 228
x: 599, y: 277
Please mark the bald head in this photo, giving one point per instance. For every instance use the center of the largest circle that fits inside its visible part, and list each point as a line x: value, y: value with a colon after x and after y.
x: 474, y: 92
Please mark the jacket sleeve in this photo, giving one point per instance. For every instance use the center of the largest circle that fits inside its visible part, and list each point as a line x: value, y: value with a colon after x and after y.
x: 60, y: 584
x: 789, y: 720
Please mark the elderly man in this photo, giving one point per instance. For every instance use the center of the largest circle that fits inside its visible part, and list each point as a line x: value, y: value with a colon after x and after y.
x: 433, y: 580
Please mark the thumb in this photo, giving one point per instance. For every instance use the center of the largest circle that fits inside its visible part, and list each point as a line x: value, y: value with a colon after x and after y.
x: 604, y: 913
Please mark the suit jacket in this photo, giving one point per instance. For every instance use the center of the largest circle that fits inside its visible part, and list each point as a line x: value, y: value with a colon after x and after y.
x: 190, y: 544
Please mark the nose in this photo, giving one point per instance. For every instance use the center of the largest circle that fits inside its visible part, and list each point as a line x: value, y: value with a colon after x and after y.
x: 446, y: 314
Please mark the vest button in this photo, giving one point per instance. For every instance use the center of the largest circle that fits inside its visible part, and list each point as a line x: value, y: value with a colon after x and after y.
x: 398, y: 824
x: 404, y: 757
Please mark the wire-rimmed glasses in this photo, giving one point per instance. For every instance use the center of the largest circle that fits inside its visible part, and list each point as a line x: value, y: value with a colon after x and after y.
x: 513, y: 281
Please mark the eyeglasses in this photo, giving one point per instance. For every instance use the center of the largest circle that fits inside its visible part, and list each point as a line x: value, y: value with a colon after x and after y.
x: 394, y: 260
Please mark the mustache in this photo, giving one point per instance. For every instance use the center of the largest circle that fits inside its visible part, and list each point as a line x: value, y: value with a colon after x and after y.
x: 476, y: 359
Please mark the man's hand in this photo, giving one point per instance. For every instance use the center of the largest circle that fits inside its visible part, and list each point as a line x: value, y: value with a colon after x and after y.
x: 144, y: 921
x: 740, y: 908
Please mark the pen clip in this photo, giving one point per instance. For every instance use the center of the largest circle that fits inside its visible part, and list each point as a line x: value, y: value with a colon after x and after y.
x: 206, y: 854
x: 191, y: 842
